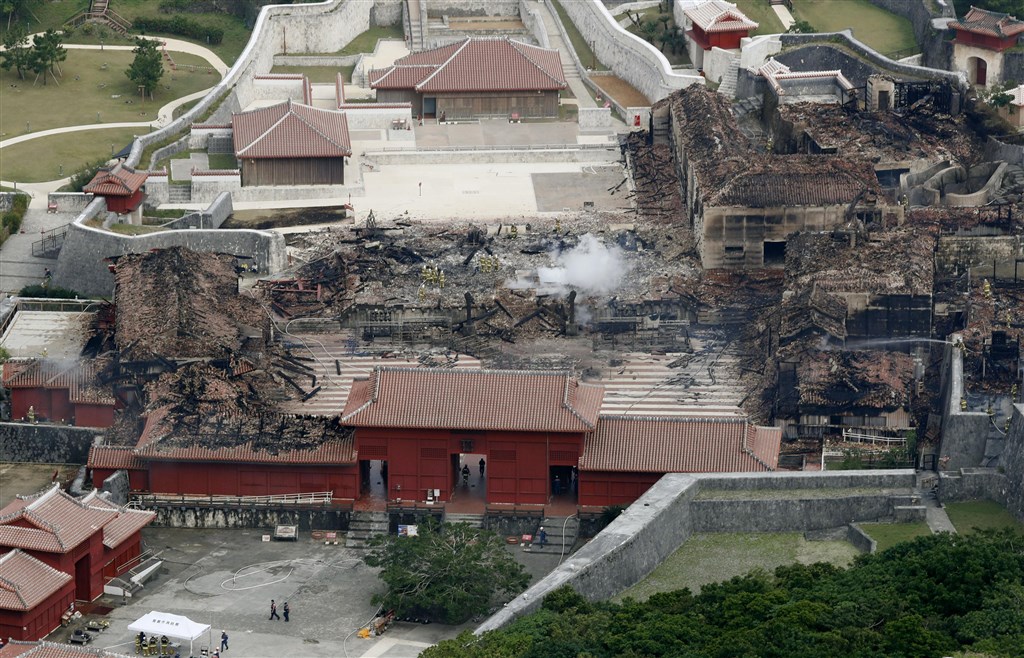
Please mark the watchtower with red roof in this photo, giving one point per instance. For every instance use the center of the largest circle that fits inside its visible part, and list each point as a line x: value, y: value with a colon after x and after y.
x: 715, y: 24
x: 120, y: 186
x: 981, y: 38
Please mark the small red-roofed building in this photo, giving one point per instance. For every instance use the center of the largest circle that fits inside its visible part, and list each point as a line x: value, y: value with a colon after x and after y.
x: 90, y: 539
x: 476, y: 77
x: 58, y: 391
x: 530, y: 425
x: 291, y: 144
x: 120, y: 186
x: 982, y: 37
x: 628, y: 454
x: 715, y: 24
x: 33, y: 596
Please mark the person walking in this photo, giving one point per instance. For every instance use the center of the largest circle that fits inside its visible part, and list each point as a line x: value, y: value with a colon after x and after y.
x: 273, y: 610
x: 542, y: 537
x: 224, y: 641
x: 287, y: 611
x: 483, y: 465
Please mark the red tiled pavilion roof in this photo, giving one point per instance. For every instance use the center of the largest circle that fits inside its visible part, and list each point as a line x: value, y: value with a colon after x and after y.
x: 680, y: 445
x: 125, y: 524
x: 52, y: 521
x: 118, y: 180
x: 717, y: 16
x: 114, y: 457
x: 475, y: 65
x: 504, y: 400
x: 291, y: 130
x: 79, y: 377
x: 26, y: 581
x: 992, y: 23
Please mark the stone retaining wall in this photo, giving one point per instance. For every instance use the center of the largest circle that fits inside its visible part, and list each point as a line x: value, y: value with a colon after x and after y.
x: 1011, y: 153
x: 45, y: 444
x: 534, y: 22
x: 963, y: 432
x: 629, y: 57
x: 661, y: 520
x: 316, y: 60
x: 860, y: 539
x: 935, y: 50
x: 185, y: 516
x: 70, y: 201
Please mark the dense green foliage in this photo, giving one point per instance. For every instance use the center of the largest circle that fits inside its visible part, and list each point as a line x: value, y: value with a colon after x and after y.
x: 930, y: 597
x: 181, y: 26
x: 1004, y: 6
x: 81, y: 178
x: 446, y: 574
x: 10, y: 221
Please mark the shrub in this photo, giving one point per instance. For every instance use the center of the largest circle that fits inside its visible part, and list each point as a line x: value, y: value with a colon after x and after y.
x: 82, y: 177
x: 53, y: 292
x: 181, y: 26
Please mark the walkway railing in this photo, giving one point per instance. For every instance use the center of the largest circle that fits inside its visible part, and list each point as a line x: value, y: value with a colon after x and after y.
x: 318, y: 498
x: 860, y: 437
x: 49, y: 245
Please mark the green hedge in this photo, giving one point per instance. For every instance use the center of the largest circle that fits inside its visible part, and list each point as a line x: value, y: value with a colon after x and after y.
x: 10, y: 222
x: 51, y: 292
x: 181, y: 26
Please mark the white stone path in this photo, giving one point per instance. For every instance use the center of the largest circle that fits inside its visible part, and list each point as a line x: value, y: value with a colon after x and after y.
x: 783, y: 13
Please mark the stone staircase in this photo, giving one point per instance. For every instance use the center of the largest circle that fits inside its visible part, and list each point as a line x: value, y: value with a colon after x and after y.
x: 473, y: 520
x: 572, y: 74
x: 365, y: 525
x: 562, y: 533
x: 417, y: 25
x: 179, y: 193
x: 728, y: 86
x: 1012, y: 188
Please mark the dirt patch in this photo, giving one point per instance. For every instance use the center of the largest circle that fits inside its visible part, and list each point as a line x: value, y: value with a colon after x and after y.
x: 624, y: 93
x: 26, y: 479
x: 278, y: 218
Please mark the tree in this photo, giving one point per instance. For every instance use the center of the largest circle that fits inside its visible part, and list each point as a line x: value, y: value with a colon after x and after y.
x: 445, y: 573
x: 17, y: 8
x: 801, y: 27
x: 649, y: 30
x: 147, y: 68
x: 16, y: 54
x: 47, y: 52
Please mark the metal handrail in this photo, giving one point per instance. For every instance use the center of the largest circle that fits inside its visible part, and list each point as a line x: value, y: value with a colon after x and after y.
x: 314, y: 498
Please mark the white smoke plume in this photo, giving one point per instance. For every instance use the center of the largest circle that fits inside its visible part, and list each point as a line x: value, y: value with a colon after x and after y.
x: 590, y: 267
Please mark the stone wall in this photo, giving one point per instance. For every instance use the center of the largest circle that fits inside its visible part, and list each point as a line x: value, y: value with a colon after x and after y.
x: 172, y: 149
x: 45, y: 444
x: 963, y: 432
x: 213, y: 217
x: 860, y: 539
x: 996, y: 150
x: 512, y: 155
x: 386, y: 12
x: 1011, y: 462
x: 69, y: 201
x: 973, y: 484
x: 208, y: 186
x: 622, y: 554
x: 816, y: 52
x: 199, y: 137
x: 534, y: 22
x: 629, y: 57
x: 438, y: 8
x: 194, y: 516
x: 316, y: 60
x: 661, y: 520
x: 117, y: 486
x: 82, y: 268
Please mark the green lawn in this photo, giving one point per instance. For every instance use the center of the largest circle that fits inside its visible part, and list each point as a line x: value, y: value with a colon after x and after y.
x: 220, y: 161
x: 53, y: 14
x: 318, y: 74
x: 87, y: 89
x: 980, y: 515
x: 882, y: 30
x: 367, y: 41
x: 133, y: 229
x: 889, y: 534
x: 716, y: 557
x: 579, y: 44
x: 761, y: 13
x: 40, y: 159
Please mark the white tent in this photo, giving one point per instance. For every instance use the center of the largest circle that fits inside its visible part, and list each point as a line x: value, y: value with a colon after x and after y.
x: 164, y: 623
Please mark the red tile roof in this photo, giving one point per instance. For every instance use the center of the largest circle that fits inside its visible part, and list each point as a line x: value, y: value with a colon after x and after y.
x: 475, y: 65
x: 52, y: 521
x: 510, y: 400
x: 115, y: 457
x: 680, y: 445
x: 43, y: 649
x: 116, y: 181
x: 79, y: 377
x: 992, y: 23
x: 26, y: 581
x: 717, y: 16
x: 330, y: 452
x: 125, y: 524
x: 291, y: 130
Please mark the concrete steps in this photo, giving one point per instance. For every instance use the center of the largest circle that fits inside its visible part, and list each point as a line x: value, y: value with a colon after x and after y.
x: 364, y: 526
x: 561, y: 535
x: 728, y: 86
x: 473, y: 520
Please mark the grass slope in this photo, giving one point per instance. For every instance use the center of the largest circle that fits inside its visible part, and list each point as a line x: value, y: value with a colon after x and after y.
x: 981, y: 515
x: 882, y: 30
x: 888, y: 535
x: 40, y: 159
x: 712, y: 558
x: 87, y: 88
